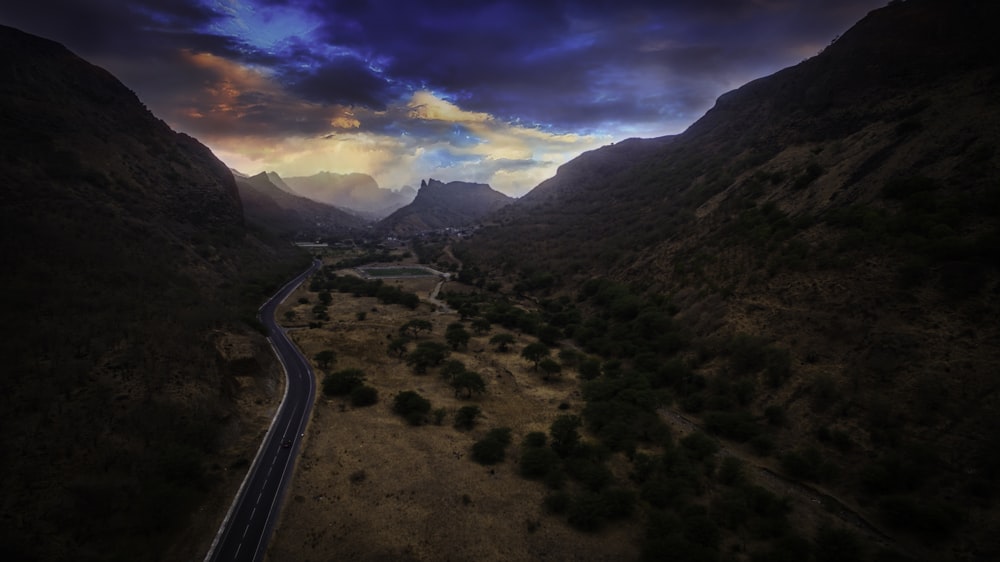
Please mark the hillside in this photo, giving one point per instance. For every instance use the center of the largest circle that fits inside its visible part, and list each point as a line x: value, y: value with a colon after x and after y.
x: 130, y: 288
x: 291, y: 216
x: 825, y: 238
x: 442, y: 205
x: 357, y: 192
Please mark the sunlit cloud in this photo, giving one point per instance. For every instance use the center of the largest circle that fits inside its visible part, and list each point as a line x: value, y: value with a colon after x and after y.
x: 402, y: 145
x: 497, y: 92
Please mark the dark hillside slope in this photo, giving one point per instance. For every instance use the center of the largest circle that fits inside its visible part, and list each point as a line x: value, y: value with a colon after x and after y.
x: 845, y: 212
x: 129, y: 291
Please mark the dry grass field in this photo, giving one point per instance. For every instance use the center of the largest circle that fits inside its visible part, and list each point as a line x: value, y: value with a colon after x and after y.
x: 369, y: 486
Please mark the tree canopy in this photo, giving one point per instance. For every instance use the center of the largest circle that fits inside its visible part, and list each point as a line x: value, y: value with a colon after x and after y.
x: 503, y: 341
x: 469, y: 382
x: 534, y: 352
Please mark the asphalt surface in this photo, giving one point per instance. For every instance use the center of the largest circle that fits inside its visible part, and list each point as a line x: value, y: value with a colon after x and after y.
x: 247, y: 528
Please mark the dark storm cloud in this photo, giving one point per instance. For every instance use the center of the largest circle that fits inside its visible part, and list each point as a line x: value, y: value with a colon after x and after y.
x: 345, y: 81
x: 562, y: 64
x: 537, y: 61
x: 101, y: 27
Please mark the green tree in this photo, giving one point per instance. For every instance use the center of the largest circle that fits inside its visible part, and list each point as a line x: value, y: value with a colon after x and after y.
x: 549, y: 334
x: 415, y: 326
x: 590, y: 369
x: 426, y: 355
x: 503, y: 341
x: 451, y: 369
x: 342, y: 382
x: 457, y: 336
x: 325, y: 358
x: 412, y: 406
x: 534, y: 352
x: 569, y: 356
x: 565, y: 436
x: 492, y: 448
x: 319, y: 312
x: 838, y: 544
x: 480, y: 326
x: 398, y: 345
x: 466, y: 416
x: 700, y: 446
x: 550, y: 367
x: 537, y: 462
x: 409, y: 300
x: 363, y: 395
x: 469, y: 382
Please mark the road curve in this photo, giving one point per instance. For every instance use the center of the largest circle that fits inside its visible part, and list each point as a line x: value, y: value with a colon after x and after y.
x: 247, y: 528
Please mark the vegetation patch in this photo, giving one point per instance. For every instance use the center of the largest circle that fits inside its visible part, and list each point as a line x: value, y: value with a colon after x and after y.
x: 382, y: 272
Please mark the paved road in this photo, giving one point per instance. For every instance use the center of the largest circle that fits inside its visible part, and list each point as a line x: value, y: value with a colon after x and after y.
x: 245, y: 532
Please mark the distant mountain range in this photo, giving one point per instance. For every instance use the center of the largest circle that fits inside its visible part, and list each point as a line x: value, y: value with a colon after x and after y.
x: 441, y: 205
x: 289, y: 215
x: 359, y: 193
x: 130, y: 284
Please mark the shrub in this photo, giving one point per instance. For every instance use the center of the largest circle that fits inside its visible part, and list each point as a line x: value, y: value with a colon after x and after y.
x: 439, y: 415
x: 762, y: 445
x: 535, y: 439
x: 492, y: 448
x: 731, y: 471
x: 469, y: 382
x: 700, y: 446
x: 341, y: 383
x: 776, y: 415
x: 451, y: 368
x: 585, y: 513
x: 363, y: 395
x: 747, y: 354
x: 928, y: 519
x: 466, y: 416
x: 593, y: 475
x: 738, y: 426
x: 807, y: 464
x: 413, y: 407
x: 590, y: 369
x: 565, y: 436
x: 556, y: 502
x: 538, y: 462
x: 835, y: 545
x: 325, y: 358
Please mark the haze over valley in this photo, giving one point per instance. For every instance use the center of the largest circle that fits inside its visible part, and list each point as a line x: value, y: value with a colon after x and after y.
x: 569, y: 281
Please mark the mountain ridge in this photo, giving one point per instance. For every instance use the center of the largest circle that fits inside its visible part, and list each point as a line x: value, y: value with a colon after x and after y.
x: 134, y: 282
x: 290, y: 215
x: 355, y: 191
x: 844, y: 212
x: 443, y: 205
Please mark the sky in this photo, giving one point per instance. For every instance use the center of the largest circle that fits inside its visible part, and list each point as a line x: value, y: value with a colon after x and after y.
x: 500, y: 92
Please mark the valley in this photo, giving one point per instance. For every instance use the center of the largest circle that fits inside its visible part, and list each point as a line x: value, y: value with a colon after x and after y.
x: 768, y: 336
x: 373, y: 486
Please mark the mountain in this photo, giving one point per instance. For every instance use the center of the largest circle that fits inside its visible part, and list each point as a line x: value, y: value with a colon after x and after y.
x: 825, y: 239
x: 278, y: 182
x: 440, y: 205
x: 289, y: 215
x: 131, y: 360
x: 357, y: 192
